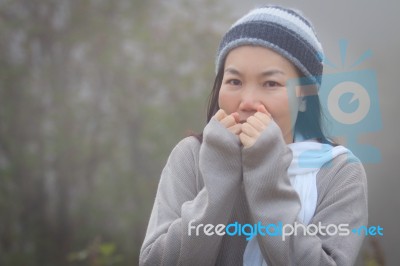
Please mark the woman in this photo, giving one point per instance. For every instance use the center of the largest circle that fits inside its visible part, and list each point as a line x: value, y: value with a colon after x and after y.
x: 262, y: 185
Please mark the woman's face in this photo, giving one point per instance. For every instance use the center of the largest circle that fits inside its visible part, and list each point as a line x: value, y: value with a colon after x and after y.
x: 256, y: 76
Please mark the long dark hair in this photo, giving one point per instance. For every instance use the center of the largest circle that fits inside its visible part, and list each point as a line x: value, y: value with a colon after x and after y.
x: 308, y: 124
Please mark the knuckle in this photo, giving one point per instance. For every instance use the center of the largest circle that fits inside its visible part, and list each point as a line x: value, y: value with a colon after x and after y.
x: 246, y: 127
x: 230, y: 120
x: 251, y: 119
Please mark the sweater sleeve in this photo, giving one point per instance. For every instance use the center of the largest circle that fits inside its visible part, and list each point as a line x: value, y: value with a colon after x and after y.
x: 342, y: 199
x: 178, y: 204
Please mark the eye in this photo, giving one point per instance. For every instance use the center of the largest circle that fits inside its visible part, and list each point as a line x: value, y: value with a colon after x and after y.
x: 271, y: 83
x: 234, y: 82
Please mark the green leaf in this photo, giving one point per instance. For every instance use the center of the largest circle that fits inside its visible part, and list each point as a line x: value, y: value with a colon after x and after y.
x: 107, y: 249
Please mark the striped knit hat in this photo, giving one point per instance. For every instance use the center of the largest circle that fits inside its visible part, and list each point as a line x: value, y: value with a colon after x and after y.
x: 284, y: 31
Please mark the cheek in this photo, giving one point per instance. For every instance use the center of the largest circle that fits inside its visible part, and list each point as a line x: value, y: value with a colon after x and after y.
x: 283, y: 108
x: 276, y: 103
x: 226, y: 101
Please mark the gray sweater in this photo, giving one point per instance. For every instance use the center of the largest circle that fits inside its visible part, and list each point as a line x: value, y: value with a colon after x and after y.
x: 219, y: 182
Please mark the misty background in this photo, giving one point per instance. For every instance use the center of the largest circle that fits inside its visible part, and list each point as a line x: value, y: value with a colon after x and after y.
x: 94, y: 94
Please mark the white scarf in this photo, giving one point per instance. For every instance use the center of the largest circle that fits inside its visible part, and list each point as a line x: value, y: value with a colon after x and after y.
x: 308, y: 158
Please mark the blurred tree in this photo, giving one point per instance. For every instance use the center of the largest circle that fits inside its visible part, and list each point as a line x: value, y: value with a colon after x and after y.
x: 373, y: 254
x: 93, y: 95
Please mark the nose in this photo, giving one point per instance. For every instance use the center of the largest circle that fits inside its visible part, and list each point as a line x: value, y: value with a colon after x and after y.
x: 249, y: 101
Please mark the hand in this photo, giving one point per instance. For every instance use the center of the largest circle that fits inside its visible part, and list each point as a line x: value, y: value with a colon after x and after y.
x: 231, y: 122
x: 254, y: 125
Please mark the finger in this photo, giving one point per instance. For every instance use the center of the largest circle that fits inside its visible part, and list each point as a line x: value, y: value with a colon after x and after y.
x: 261, y: 108
x: 228, y: 121
x: 236, y: 116
x: 220, y: 114
x: 236, y: 129
x: 246, y: 140
x: 256, y: 123
x: 264, y: 118
x: 250, y: 131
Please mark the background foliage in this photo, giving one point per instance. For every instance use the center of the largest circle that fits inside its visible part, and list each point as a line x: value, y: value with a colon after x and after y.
x: 93, y: 94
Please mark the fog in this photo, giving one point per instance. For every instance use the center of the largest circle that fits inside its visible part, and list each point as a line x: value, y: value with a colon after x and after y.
x: 95, y: 94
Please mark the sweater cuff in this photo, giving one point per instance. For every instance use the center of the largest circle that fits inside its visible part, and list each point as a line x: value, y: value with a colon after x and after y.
x: 220, y: 156
x: 217, y: 135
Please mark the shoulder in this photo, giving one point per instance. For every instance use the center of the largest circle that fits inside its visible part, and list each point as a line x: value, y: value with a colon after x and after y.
x: 180, y: 171
x: 186, y: 146
x: 345, y: 170
x: 185, y: 152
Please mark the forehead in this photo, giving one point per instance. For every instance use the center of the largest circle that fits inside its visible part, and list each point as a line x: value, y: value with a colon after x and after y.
x: 257, y: 58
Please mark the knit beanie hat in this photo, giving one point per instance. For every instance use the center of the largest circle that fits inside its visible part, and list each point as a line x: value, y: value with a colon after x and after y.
x: 282, y: 30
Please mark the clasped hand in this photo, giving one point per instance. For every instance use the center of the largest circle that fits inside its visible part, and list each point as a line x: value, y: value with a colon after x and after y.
x: 249, y: 131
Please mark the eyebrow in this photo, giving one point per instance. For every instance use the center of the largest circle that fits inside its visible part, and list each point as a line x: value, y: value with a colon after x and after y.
x: 265, y: 73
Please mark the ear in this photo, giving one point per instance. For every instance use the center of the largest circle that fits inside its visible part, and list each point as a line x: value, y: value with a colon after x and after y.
x: 302, y: 104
